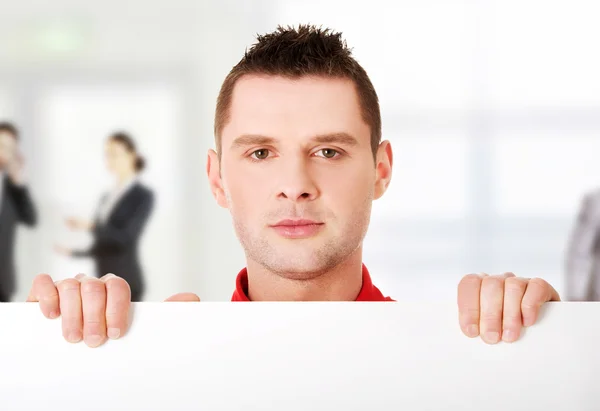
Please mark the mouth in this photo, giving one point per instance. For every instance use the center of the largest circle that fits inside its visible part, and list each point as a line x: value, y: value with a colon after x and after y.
x: 297, y: 228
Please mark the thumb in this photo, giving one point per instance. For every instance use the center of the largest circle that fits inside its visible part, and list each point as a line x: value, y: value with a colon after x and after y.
x: 183, y: 297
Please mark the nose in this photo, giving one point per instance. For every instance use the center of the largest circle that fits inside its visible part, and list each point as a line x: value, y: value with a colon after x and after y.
x: 296, y: 181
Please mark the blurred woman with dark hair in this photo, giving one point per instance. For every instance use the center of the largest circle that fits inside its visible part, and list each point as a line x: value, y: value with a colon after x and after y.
x: 121, y: 217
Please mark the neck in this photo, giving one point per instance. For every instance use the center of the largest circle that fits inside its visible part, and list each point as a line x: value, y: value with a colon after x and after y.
x: 340, y: 283
x: 125, y: 177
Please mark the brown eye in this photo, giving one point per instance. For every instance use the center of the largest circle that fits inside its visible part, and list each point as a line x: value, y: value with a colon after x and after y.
x: 328, y: 152
x: 261, y: 154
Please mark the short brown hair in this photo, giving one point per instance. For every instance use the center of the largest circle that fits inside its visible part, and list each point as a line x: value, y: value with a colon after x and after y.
x: 9, y: 128
x: 294, y: 53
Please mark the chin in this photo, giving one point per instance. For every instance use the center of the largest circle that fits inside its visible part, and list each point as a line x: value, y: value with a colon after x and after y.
x: 301, y: 265
x: 297, y: 273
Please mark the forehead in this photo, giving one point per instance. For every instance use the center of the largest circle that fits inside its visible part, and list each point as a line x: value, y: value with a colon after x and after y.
x: 114, y: 145
x: 7, y: 138
x: 281, y: 107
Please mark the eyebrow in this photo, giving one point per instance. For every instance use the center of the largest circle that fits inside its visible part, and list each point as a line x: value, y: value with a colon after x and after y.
x: 258, y: 140
x: 252, y: 140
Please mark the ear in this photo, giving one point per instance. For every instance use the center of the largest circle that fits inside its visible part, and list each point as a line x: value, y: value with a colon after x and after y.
x: 213, y: 171
x: 383, y: 168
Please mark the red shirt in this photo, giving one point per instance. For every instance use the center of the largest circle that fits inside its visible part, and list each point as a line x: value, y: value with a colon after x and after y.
x: 368, y: 292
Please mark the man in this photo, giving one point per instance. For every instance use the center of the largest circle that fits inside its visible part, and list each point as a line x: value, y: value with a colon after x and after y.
x: 298, y: 161
x: 16, y: 205
x: 583, y: 252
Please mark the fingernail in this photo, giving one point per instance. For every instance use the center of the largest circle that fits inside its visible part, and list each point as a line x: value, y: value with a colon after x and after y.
x: 509, y: 335
x: 74, y: 336
x: 113, y: 333
x: 491, y: 337
x: 473, y: 330
x: 93, y: 340
x: 53, y: 314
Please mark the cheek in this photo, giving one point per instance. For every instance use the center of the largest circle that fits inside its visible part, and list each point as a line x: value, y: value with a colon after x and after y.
x: 247, y: 193
x: 347, y: 187
x: 5, y: 152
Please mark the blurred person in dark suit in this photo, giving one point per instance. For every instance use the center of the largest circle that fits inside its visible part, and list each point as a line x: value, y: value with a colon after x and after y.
x: 582, y: 268
x: 120, y: 219
x: 16, y: 205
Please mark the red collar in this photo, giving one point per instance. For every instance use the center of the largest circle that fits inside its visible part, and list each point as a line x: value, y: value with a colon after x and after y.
x: 368, y: 291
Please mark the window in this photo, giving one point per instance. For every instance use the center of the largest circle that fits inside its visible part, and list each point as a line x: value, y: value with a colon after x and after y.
x: 544, y: 172
x: 75, y: 121
x: 493, y: 113
x: 6, y: 105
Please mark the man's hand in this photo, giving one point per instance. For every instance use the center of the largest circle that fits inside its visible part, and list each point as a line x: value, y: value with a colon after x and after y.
x: 497, y: 307
x: 62, y: 250
x: 15, y: 169
x: 92, y: 309
x: 79, y: 224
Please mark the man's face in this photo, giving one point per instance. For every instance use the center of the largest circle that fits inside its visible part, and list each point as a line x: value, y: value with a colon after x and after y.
x: 8, y: 148
x: 297, y: 172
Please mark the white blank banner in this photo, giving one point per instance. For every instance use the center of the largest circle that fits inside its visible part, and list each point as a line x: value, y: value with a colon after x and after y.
x: 301, y: 356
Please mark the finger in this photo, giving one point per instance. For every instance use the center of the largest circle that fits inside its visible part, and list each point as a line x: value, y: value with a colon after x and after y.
x: 468, y: 304
x: 44, y: 292
x: 118, y: 301
x: 492, y: 301
x: 70, y: 308
x: 512, y: 320
x: 93, y: 300
x: 81, y: 276
x: 538, y: 292
x: 183, y: 297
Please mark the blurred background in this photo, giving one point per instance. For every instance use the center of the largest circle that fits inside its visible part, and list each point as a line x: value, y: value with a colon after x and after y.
x: 492, y: 108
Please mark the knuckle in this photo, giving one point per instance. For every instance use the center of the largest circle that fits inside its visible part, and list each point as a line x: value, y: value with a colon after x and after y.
x: 69, y: 284
x: 468, y: 316
x: 42, y: 278
x: 469, y: 311
x: 529, y: 306
x: 49, y: 297
x: 116, y: 283
x: 92, y: 287
x: 115, y: 314
x: 72, y: 319
x: 494, y: 281
x: 515, y: 284
x: 467, y: 283
x: 538, y: 282
x: 512, y: 318
x: 471, y: 279
x: 492, y: 316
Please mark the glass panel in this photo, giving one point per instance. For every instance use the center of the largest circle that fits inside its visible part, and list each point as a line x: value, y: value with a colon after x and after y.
x: 76, y: 120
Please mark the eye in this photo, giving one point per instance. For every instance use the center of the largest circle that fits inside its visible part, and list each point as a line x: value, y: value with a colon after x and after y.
x: 261, y: 154
x: 328, y: 152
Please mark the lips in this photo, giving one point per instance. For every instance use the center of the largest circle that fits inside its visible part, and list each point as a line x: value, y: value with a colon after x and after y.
x: 295, y: 223
x: 296, y: 229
